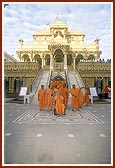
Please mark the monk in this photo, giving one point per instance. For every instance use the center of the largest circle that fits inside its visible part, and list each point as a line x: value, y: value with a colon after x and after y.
x: 41, y: 97
x: 106, y: 91
x: 86, y: 99
x: 64, y: 92
x: 64, y: 83
x: 60, y: 107
x: 49, y: 98
x: 75, y: 97
x: 80, y: 98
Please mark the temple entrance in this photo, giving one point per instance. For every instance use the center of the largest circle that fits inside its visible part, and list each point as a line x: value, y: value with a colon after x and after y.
x: 58, y: 77
x: 58, y: 56
x: 58, y: 60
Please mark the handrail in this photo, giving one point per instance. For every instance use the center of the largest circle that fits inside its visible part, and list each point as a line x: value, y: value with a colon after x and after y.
x: 35, y: 79
x: 82, y: 83
x: 49, y: 78
x: 67, y: 79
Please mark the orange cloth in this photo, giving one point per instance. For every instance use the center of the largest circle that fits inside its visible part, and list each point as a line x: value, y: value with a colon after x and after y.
x: 60, y: 107
x: 41, y: 98
x: 54, y: 84
x: 86, y: 97
x: 50, y: 102
x: 75, y: 98
x: 64, y: 92
x: 64, y: 83
x: 49, y: 98
x: 80, y: 98
x: 106, y: 90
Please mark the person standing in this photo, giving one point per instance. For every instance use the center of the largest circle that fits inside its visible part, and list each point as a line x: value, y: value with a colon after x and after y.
x: 86, y: 96
x: 64, y: 92
x: 80, y: 98
x: 75, y: 97
x: 60, y: 107
x: 49, y: 98
x: 41, y: 97
x: 106, y: 91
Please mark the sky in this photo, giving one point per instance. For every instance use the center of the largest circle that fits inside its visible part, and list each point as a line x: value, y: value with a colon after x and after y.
x: 21, y: 20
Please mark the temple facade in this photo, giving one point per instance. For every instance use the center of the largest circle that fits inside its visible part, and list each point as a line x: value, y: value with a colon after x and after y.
x: 58, y: 46
x: 57, y: 50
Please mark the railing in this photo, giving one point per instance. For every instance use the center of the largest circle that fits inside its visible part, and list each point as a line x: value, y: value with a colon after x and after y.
x: 21, y: 66
x: 39, y: 74
x: 81, y: 83
x: 67, y: 80
x: 49, y: 79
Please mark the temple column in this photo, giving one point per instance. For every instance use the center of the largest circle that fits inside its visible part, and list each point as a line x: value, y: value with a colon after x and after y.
x: 11, y: 85
x: 73, y: 63
x: 51, y: 62
x: 65, y: 62
x: 42, y: 62
x: 17, y: 86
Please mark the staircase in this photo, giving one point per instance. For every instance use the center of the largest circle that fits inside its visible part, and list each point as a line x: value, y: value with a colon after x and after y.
x: 42, y: 80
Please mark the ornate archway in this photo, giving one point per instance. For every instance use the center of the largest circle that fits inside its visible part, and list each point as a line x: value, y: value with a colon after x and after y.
x: 47, y: 59
x: 37, y: 59
x: 79, y: 57
x: 58, y: 55
x: 26, y: 58
x: 91, y: 57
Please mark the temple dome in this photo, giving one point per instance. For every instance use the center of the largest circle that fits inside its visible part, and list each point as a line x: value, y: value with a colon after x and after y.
x: 59, y: 24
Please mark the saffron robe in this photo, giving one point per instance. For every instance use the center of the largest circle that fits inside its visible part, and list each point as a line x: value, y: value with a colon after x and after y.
x: 75, y: 98
x: 41, y: 98
x: 60, y: 107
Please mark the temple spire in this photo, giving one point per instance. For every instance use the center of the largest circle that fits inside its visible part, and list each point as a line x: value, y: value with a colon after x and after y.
x: 57, y: 17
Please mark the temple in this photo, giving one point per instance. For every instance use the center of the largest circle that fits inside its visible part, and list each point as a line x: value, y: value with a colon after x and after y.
x: 56, y: 53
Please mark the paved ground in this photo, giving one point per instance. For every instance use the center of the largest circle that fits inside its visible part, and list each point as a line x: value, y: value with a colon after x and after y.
x: 40, y: 138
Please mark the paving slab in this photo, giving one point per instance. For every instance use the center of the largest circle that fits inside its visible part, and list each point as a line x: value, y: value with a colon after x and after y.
x: 34, y: 137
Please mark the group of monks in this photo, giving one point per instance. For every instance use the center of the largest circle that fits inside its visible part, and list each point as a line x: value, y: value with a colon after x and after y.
x: 56, y: 96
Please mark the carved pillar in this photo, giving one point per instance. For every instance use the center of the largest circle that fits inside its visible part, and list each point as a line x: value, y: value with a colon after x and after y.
x: 11, y: 85
x: 17, y: 86
x: 65, y: 62
x: 73, y: 63
x: 24, y: 81
x: 42, y: 62
x: 51, y: 62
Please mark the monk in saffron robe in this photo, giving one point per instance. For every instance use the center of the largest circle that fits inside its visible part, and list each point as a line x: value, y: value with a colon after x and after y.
x: 41, y: 97
x: 64, y: 92
x: 64, y: 83
x: 86, y: 97
x: 54, y: 84
x: 75, y: 97
x: 60, y: 107
x: 49, y: 98
x: 80, y: 98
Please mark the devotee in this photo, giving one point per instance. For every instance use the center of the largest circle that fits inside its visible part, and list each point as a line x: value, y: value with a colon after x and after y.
x: 80, y: 98
x: 65, y: 93
x: 75, y: 97
x: 41, y: 97
x: 86, y: 99
x: 106, y: 91
x: 60, y: 107
x: 49, y: 98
